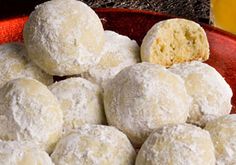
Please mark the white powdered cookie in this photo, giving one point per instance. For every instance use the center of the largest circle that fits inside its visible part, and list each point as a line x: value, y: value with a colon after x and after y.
x: 29, y: 111
x: 64, y: 37
x: 22, y: 153
x: 143, y: 97
x: 94, y: 145
x: 175, y: 41
x: 81, y: 102
x: 181, y: 144
x: 210, y: 92
x: 14, y: 63
x: 118, y: 52
x: 223, y: 134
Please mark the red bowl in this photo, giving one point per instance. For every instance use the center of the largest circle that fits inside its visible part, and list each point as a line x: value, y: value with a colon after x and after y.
x: 135, y: 24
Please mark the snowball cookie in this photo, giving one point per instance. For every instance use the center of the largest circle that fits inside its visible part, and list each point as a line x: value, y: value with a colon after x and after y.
x: 143, y: 97
x: 14, y: 63
x: 94, y: 145
x: 119, y: 52
x: 181, y: 144
x: 175, y: 41
x: 64, y: 37
x: 22, y: 153
x: 29, y: 111
x: 223, y: 134
x: 81, y: 102
x: 210, y: 92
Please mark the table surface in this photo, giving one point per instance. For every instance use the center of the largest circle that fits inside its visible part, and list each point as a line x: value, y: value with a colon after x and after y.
x: 197, y: 10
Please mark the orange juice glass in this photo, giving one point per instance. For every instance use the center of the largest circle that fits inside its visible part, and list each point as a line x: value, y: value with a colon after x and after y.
x: 223, y: 14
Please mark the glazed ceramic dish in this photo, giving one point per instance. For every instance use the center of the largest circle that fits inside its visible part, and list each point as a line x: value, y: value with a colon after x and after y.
x: 135, y: 24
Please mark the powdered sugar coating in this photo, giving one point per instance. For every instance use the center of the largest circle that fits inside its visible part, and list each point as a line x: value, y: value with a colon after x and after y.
x: 64, y: 37
x: 119, y: 52
x: 143, y: 97
x: 81, y: 102
x: 22, y: 153
x: 181, y: 144
x: 14, y: 63
x: 29, y: 111
x: 210, y: 92
x: 94, y: 144
x: 223, y: 134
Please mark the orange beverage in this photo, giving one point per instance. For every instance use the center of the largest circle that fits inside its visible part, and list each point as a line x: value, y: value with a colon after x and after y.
x: 223, y: 14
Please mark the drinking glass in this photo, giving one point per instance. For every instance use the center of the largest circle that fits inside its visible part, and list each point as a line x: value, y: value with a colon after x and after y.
x: 223, y: 14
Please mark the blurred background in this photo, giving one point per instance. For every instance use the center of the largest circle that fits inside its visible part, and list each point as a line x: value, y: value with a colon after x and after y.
x: 197, y: 10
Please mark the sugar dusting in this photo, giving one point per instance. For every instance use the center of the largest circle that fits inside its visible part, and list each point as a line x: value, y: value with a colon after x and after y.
x: 14, y: 63
x: 64, y: 37
x: 20, y: 153
x: 210, y: 92
x: 223, y: 134
x: 177, y: 144
x: 81, y: 102
x: 144, y: 97
x: 29, y: 111
x: 118, y: 52
x: 95, y: 144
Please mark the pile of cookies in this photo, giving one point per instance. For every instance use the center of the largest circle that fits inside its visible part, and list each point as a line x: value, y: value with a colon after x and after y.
x: 118, y: 104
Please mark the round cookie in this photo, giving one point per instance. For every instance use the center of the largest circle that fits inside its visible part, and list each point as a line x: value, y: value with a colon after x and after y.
x: 181, y: 144
x: 175, y: 41
x: 29, y: 111
x: 94, y: 144
x: 143, y: 97
x: 22, y: 153
x: 81, y: 102
x: 223, y: 134
x: 64, y: 37
x: 118, y: 52
x: 14, y: 63
x: 210, y: 92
